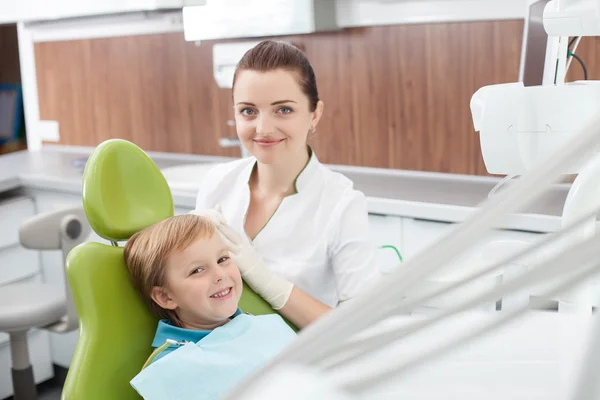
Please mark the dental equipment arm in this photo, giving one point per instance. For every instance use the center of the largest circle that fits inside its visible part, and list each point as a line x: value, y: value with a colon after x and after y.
x: 580, y: 256
x: 356, y: 348
x: 379, y: 373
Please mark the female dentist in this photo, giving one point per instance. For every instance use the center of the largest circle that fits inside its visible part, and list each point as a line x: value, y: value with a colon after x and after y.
x: 298, y: 231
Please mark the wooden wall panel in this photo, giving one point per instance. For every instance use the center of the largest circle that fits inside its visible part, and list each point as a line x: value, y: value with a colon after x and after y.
x: 9, y: 55
x: 395, y: 96
x: 153, y: 90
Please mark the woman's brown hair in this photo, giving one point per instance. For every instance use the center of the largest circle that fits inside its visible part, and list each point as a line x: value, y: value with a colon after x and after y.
x: 270, y: 55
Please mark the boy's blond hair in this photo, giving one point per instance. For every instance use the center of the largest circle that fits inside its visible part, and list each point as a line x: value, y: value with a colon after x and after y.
x: 146, y: 254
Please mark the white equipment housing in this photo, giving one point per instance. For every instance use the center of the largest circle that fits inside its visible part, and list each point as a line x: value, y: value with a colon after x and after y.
x: 520, y: 126
x: 572, y: 18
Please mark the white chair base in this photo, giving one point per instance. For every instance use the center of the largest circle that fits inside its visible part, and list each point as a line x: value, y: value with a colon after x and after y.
x: 22, y: 372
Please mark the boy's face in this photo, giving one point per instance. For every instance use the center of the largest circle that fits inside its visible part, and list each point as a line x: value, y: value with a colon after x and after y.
x: 202, y: 284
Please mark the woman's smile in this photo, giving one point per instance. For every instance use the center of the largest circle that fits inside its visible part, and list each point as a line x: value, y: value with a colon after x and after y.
x: 268, y: 142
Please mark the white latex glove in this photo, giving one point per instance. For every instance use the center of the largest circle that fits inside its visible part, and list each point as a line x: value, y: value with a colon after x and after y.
x: 212, y: 214
x: 275, y: 290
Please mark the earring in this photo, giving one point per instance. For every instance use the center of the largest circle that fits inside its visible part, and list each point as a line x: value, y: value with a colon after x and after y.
x: 313, y: 129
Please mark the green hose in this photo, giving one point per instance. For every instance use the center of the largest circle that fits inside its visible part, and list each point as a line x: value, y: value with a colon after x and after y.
x: 156, y: 352
x: 389, y: 246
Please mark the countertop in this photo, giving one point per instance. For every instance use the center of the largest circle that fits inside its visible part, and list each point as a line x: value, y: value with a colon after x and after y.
x: 422, y: 195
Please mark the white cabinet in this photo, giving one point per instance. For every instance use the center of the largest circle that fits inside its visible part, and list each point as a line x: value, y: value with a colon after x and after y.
x: 386, y: 230
x: 353, y: 13
x: 16, y: 262
x: 229, y: 19
x: 39, y: 10
x: 421, y: 235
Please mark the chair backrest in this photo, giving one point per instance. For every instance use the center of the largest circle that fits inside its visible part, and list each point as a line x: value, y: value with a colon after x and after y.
x: 123, y: 192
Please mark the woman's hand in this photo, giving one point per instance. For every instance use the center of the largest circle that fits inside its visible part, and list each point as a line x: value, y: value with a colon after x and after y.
x: 275, y: 290
x: 296, y: 305
x: 212, y: 214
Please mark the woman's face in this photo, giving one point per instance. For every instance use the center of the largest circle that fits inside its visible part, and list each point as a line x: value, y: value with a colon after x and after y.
x: 272, y: 115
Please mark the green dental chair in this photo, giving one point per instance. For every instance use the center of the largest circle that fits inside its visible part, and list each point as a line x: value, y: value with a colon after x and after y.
x: 123, y: 192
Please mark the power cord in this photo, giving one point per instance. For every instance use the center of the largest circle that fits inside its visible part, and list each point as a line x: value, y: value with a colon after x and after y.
x: 571, y: 55
x: 575, y: 56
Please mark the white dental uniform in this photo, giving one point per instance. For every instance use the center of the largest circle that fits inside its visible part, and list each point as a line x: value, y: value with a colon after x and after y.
x: 318, y: 238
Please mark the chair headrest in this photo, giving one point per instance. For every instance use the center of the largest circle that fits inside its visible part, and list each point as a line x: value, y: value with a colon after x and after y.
x: 123, y: 190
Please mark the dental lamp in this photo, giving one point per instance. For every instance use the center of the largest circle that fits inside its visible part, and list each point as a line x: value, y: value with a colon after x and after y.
x: 538, y: 131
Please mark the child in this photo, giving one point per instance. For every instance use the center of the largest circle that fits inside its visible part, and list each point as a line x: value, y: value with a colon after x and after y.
x: 182, y: 268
